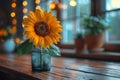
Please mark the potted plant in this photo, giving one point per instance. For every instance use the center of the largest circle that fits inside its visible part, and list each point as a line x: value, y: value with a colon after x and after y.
x: 79, y: 42
x: 6, y: 39
x: 95, y: 28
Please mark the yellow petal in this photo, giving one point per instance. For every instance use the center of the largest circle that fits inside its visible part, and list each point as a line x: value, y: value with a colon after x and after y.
x: 52, y: 37
x: 32, y: 16
x: 49, y: 40
x: 36, y: 40
x: 41, y: 41
x: 39, y: 14
x: 29, y: 28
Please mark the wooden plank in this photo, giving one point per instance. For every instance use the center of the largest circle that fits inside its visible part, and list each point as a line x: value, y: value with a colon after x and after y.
x: 62, y: 68
x: 78, y: 75
x: 101, y: 68
x: 104, y: 64
x: 25, y: 68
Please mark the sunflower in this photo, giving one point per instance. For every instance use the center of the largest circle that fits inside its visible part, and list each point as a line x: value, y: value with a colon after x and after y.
x: 42, y: 28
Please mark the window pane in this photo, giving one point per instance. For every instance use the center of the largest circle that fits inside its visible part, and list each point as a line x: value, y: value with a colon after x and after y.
x: 114, y: 33
x: 112, y: 4
x: 68, y: 32
x: 71, y: 19
x: 83, y: 6
x: 45, y: 5
x: 69, y: 12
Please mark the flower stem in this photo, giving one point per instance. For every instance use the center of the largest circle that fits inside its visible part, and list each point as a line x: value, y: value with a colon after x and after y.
x: 41, y: 58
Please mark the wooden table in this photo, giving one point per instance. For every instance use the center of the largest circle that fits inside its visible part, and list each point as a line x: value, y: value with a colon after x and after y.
x: 13, y: 67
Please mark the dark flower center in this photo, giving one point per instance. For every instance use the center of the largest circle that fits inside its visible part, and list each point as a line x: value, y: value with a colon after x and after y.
x: 41, y: 28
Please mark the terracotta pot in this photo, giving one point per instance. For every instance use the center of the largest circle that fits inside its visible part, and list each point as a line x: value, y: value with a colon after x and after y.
x: 94, y: 42
x: 80, y: 45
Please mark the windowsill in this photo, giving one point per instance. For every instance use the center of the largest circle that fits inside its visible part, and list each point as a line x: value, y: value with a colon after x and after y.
x: 98, y: 55
x: 108, y: 47
x: 114, y: 42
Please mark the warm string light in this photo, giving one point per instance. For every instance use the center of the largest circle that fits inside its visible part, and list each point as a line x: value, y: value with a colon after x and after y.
x: 73, y: 3
x: 25, y: 3
x: 14, y: 21
x: 13, y: 14
x: 37, y: 2
x: 13, y: 5
x: 37, y: 7
x: 25, y: 10
x: 55, y: 5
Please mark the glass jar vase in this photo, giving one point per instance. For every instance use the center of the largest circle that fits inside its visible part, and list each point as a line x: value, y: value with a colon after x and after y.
x: 41, y: 61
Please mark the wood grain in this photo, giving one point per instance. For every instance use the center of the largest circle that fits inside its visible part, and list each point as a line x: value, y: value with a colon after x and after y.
x: 13, y: 67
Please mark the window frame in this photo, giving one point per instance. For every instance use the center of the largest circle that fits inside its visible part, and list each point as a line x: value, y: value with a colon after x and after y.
x: 72, y: 46
x: 109, y: 46
x: 96, y: 10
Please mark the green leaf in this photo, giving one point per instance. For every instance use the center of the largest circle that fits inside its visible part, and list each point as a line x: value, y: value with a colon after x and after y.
x: 54, y: 51
x: 24, y: 48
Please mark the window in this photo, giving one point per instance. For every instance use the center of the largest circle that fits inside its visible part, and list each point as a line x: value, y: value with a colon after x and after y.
x: 112, y: 13
x: 70, y: 17
x: 45, y: 5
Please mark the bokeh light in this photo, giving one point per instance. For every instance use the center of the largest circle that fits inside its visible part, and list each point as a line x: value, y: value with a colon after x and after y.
x: 37, y: 7
x: 25, y: 10
x: 18, y: 40
x: 24, y: 3
x: 14, y: 21
x: 37, y: 1
x: 12, y: 14
x: 52, y: 5
x: 73, y: 3
x: 13, y: 5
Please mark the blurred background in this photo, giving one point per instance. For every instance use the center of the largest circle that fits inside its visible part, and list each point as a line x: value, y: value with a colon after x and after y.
x: 70, y: 13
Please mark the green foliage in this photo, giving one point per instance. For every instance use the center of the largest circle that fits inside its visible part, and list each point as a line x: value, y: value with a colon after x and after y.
x: 24, y: 48
x: 95, y: 25
x: 80, y: 35
x: 53, y: 51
